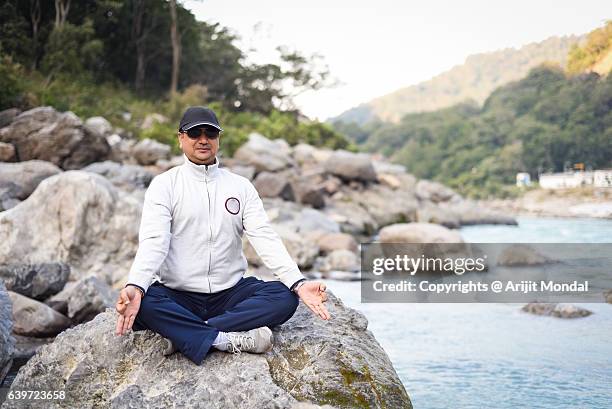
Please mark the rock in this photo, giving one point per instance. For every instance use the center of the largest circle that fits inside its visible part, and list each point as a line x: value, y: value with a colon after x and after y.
x: 35, y: 319
x: 433, y: 191
x: 7, y: 342
x: 341, y: 260
x: 59, y: 302
x: 164, y: 164
x: 246, y: 171
x: 351, y: 166
x: 382, y: 167
x: 26, y: 347
x: 78, y: 218
x: 121, y: 151
x: 303, y: 153
x: 337, y: 363
x: 429, y: 212
x: 59, y: 138
x: 385, y: 205
x: 389, y: 180
x: 608, y: 296
x: 8, y: 115
x: 351, y: 217
x: 270, y: 184
x: 84, y: 299
x: 556, y: 310
x: 147, y: 152
x: 152, y: 119
x: 24, y: 177
x: 263, y: 154
x: 312, y: 219
x: 418, y: 233
x: 99, y: 126
x: 302, y: 250
x: 336, y: 241
x: 521, y: 255
x: 7, y: 152
x: 309, y: 192
x: 127, y: 177
x: 470, y: 213
x: 38, y: 281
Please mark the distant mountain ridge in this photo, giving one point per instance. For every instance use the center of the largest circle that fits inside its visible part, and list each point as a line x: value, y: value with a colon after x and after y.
x: 474, y: 80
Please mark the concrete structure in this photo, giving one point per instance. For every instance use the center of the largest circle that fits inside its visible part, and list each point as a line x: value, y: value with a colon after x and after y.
x: 523, y: 179
x: 565, y: 180
x: 602, y: 178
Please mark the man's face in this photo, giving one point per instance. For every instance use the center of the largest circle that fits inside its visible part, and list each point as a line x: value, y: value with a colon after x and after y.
x: 201, y: 149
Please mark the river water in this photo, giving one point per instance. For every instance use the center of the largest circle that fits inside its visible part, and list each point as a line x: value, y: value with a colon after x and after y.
x: 494, y: 355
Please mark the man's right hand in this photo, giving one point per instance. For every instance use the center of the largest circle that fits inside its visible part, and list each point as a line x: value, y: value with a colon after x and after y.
x: 127, y: 306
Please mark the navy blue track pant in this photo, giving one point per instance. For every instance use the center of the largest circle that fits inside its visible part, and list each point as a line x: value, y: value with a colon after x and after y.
x: 180, y: 315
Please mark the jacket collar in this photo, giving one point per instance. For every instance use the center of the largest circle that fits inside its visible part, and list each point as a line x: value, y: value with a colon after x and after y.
x: 201, y: 172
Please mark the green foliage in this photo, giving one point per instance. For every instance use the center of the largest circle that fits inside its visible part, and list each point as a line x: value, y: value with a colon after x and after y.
x: 598, y: 45
x: 541, y: 123
x: 10, y: 82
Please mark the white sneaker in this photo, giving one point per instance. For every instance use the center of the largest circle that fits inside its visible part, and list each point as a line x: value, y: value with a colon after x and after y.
x: 256, y: 341
x: 169, y: 347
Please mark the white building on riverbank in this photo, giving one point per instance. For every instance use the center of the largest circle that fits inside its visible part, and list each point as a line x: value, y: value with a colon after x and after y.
x: 574, y: 179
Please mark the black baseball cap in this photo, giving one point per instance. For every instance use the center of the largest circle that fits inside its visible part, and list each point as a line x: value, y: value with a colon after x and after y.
x: 195, y: 116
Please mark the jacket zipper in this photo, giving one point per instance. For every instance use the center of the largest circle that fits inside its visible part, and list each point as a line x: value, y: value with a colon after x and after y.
x: 211, y: 232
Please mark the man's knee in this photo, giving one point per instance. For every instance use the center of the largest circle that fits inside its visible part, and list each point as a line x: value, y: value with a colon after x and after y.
x: 285, y: 302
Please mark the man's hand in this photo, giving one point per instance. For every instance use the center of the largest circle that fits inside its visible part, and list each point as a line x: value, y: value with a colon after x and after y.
x: 127, y: 306
x: 312, y: 293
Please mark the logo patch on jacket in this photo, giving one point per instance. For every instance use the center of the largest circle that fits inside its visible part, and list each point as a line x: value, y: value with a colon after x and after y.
x: 232, y: 205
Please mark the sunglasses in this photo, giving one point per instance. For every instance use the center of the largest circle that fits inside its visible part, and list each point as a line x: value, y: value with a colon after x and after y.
x: 211, y: 133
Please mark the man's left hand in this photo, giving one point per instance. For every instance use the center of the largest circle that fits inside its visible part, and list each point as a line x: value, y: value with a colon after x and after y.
x: 312, y: 293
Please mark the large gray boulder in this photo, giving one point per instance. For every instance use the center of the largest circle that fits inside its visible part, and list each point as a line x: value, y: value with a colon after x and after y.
x: 418, y: 233
x: 18, y: 180
x: 351, y: 166
x: 148, y: 152
x: 99, y: 125
x: 434, y: 191
x: 337, y: 362
x: 84, y: 299
x: 38, y: 281
x: 7, y: 152
x: 78, y: 218
x: 277, y: 184
x: 7, y: 342
x: 263, y: 154
x: 57, y: 137
x: 35, y: 319
x: 128, y: 177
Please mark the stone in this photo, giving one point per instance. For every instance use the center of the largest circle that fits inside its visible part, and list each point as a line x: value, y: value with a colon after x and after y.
x: 7, y: 341
x: 148, y: 152
x: 263, y: 154
x: 382, y: 167
x: 433, y: 191
x: 26, y: 347
x: 84, y: 299
x: 308, y: 192
x: 389, y: 180
x: 99, y: 126
x: 341, y: 260
x: 152, y: 119
x: 270, y: 184
x: 430, y: 212
x: 336, y: 362
x: 245, y: 171
x: 329, y: 242
x: 418, y: 233
x: 59, y: 138
x: 470, y: 213
x: 521, y: 255
x: 24, y: 177
x: 8, y: 115
x: 556, y: 310
x: 312, y: 219
x: 608, y: 296
x: 351, y: 166
x: 78, y: 218
x: 351, y: 217
x: 34, y: 319
x: 37, y: 281
x: 7, y: 152
x: 127, y: 177
x: 302, y: 250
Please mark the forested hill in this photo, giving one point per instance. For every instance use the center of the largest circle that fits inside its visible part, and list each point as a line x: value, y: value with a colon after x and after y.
x: 595, y: 55
x: 473, y: 80
x: 543, y: 122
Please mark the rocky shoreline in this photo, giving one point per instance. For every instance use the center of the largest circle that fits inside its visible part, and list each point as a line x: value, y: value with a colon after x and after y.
x: 69, y: 221
x: 571, y: 203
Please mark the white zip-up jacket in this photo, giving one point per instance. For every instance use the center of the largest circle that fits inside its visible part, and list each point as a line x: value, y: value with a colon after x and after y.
x: 190, y: 234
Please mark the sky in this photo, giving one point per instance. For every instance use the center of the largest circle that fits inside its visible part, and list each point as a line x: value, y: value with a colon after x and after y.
x: 375, y: 47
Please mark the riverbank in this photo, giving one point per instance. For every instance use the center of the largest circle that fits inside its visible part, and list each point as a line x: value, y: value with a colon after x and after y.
x: 579, y: 202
